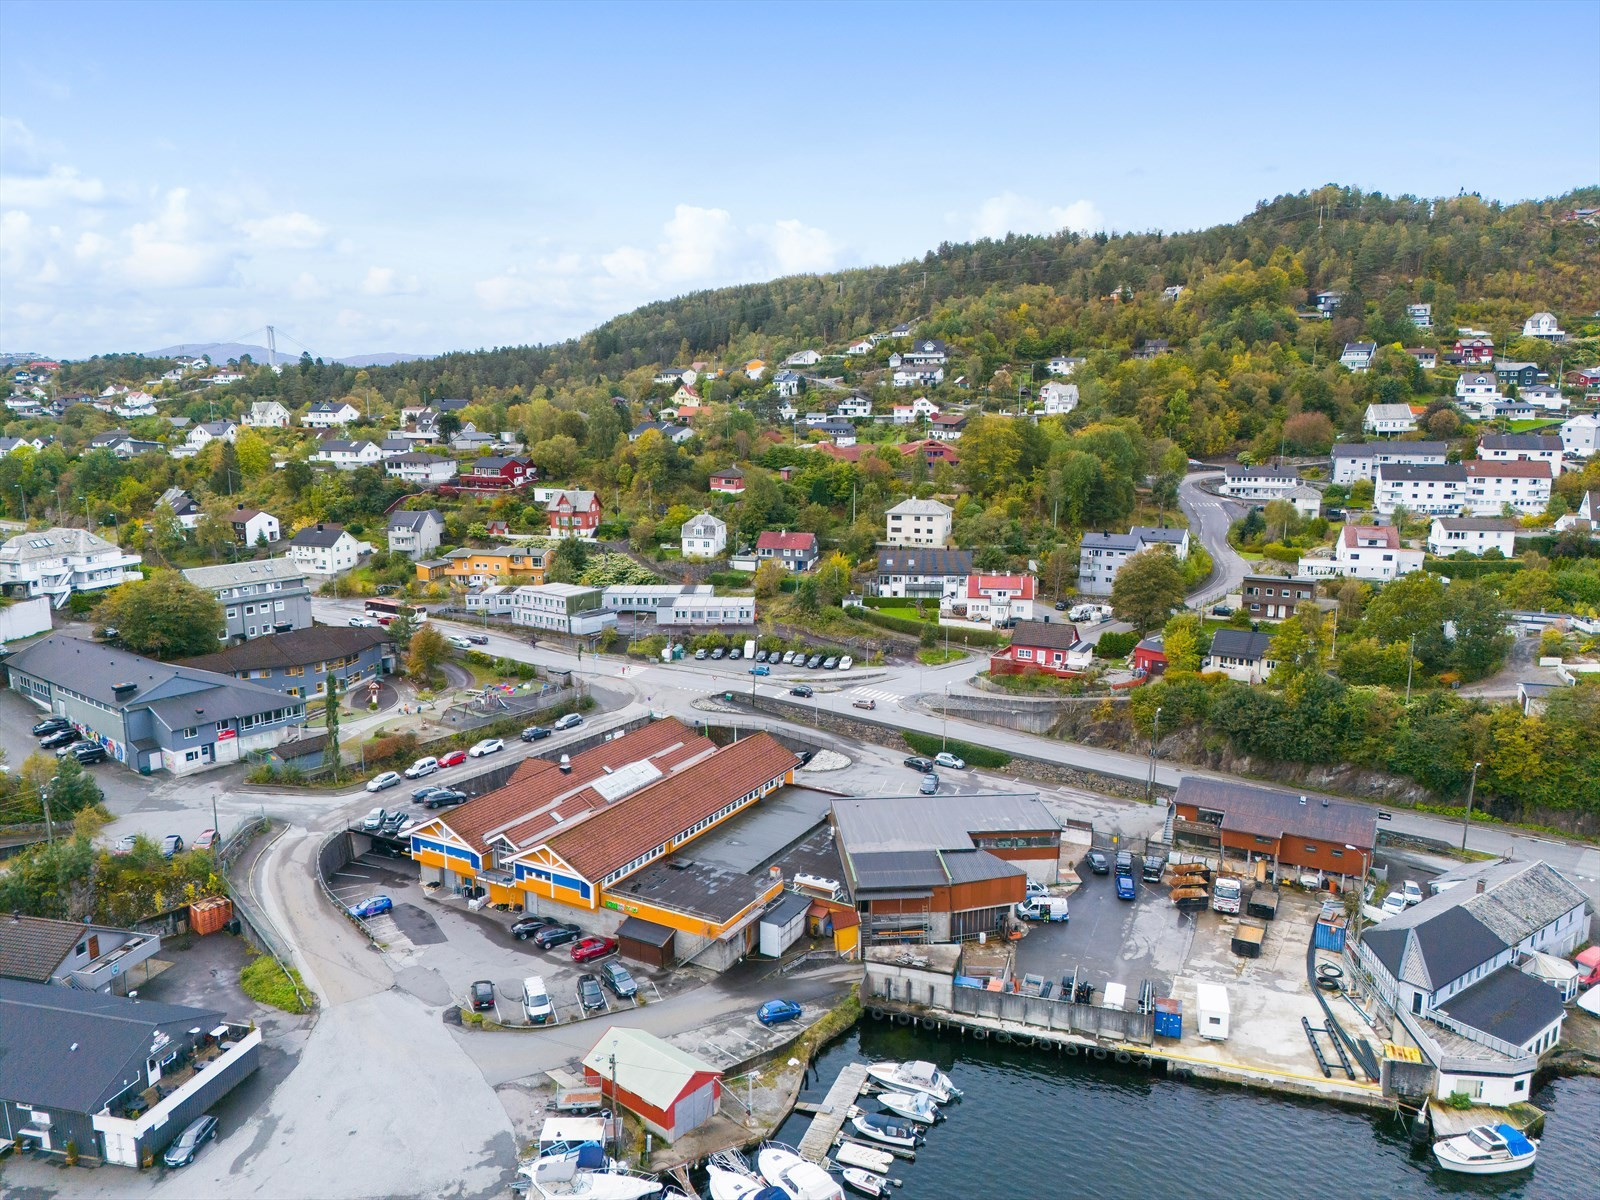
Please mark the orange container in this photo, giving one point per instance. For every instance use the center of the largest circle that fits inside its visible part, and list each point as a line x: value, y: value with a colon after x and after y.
x: 209, y: 915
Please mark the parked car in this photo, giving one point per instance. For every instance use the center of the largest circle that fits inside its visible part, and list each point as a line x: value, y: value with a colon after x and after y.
x: 1412, y: 892
x: 570, y: 721
x: 425, y: 765
x: 477, y: 639
x: 445, y: 798
x: 379, y: 782
x: 590, y: 997
x: 734, y: 653
x: 846, y: 663
x: 453, y: 759
x: 616, y: 977
x: 61, y: 737
x: 487, y: 746
x: 89, y: 752
x: 761, y: 656
x: 700, y: 653
x: 125, y: 844
x: 953, y: 761
x: 361, y: 623
x: 375, y: 819
x: 70, y: 747
x: 776, y: 1012
x: 481, y: 993
x: 1061, y: 606
x: 1124, y: 862
x: 830, y: 663
x: 869, y: 705
x: 524, y: 928
x: 802, y: 690
x: 536, y: 1006
x: 593, y: 947
x: 371, y: 907
x: 717, y: 653
x: 1126, y: 888
x: 813, y: 662
x: 207, y: 840
x: 187, y: 1144
x: 1098, y: 862
x: 459, y: 642
x: 534, y: 732
x: 1393, y: 903
x: 51, y: 725
x: 171, y: 844
x: 930, y: 784
x: 558, y: 933
x: 1221, y: 610
x: 393, y: 823
x: 426, y: 790
x: 761, y: 670
x: 917, y: 763
x: 788, y: 657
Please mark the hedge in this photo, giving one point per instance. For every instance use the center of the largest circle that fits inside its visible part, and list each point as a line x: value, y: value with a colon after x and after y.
x: 1471, y: 568
x: 1116, y: 645
x: 976, y: 756
x: 967, y: 637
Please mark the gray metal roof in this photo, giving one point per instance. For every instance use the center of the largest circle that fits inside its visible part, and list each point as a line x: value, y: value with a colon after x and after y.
x: 888, y: 823
x: 1240, y: 643
x: 976, y: 866
x: 1050, y: 635
x: 785, y: 908
x: 234, y: 574
x: 1370, y: 449
x: 1520, y: 441
x: 414, y: 519
x: 1506, y: 1004
x: 320, y: 534
x: 1518, y: 898
x: 897, y: 870
x: 909, y: 561
x: 73, y: 1050
x: 1262, y: 808
x: 1400, y: 472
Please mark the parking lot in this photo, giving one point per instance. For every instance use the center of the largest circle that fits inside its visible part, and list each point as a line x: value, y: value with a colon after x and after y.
x: 440, y: 947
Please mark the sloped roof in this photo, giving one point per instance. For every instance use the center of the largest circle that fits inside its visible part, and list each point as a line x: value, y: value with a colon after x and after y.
x: 1489, y: 468
x: 1358, y: 535
x: 296, y: 648
x: 233, y: 574
x: 1507, y: 1004
x: 1047, y: 635
x: 655, y: 1071
x: 773, y: 539
x: 1258, y: 810
x: 907, y: 560
x: 32, y: 947
x: 320, y: 535
x: 1240, y: 643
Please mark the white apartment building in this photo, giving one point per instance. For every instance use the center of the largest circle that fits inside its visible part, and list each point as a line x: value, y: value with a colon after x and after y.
x: 1581, y: 435
x: 1432, y: 490
x: 267, y: 414
x: 704, y: 536
x: 1522, y: 447
x: 568, y: 608
x: 57, y: 562
x: 1101, y: 555
x: 1475, y: 535
x: 1361, y: 460
x: 325, y: 549
x: 697, y: 608
x: 1492, y: 486
x: 423, y: 469
x: 1374, y: 552
x: 1259, y: 483
x: 919, y: 523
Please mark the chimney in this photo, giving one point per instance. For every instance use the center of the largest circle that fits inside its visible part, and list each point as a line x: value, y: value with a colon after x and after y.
x: 566, y: 764
x: 1480, y: 887
x: 319, y: 526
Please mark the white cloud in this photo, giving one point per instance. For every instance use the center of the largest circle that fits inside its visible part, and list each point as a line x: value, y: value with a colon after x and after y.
x: 799, y: 248
x: 286, y: 231
x: 508, y: 292
x: 307, y: 287
x: 704, y: 246
x: 386, y: 281
x: 173, y: 250
x: 1011, y: 213
x: 60, y: 185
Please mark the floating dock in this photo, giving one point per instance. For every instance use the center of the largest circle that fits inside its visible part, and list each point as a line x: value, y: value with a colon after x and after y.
x: 832, y: 1113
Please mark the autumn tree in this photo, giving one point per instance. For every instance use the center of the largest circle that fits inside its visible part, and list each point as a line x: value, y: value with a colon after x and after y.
x: 1185, y: 642
x: 428, y: 650
x: 1147, y: 588
x: 164, y: 616
x: 769, y: 578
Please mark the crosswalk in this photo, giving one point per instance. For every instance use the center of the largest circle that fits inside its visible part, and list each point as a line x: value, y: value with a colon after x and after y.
x: 872, y: 693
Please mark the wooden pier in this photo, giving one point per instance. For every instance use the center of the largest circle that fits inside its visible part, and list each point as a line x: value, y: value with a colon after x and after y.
x: 831, y: 1114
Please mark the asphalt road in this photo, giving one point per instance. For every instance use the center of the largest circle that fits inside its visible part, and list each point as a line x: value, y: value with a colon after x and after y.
x: 1209, y: 518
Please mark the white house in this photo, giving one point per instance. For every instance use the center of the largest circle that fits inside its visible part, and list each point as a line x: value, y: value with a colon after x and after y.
x: 325, y: 414
x: 927, y: 352
x: 919, y: 523
x: 1259, y: 483
x: 704, y: 536
x: 1546, y: 397
x: 1427, y: 357
x: 183, y: 506
x: 1424, y: 490
x: 917, y: 375
x: 1475, y: 535
x: 992, y: 600
x: 1447, y: 971
x: 1240, y: 654
x: 325, y: 549
x: 1587, y: 515
x: 803, y: 358
x: 1544, y: 326
x: 416, y: 533
x: 1522, y: 447
x: 787, y: 384
x: 347, y: 455
x: 1361, y: 460
x: 423, y: 469
x: 57, y: 562
x: 855, y: 408
x: 1059, y: 398
x: 1064, y: 365
x: 922, y: 574
x: 1373, y: 552
x: 1420, y: 315
x: 1492, y: 487
x: 1101, y: 555
x: 1476, y: 390
x: 1388, y: 419
x: 864, y: 346
x: 267, y: 414
x: 1581, y: 435
x: 203, y: 434
x: 1357, y: 356
x: 252, y: 527
x: 135, y: 404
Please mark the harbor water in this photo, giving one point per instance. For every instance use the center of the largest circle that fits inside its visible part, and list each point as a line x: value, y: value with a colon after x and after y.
x: 1035, y: 1124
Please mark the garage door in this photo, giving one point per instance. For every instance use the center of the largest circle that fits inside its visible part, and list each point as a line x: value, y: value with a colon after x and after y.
x: 694, y: 1110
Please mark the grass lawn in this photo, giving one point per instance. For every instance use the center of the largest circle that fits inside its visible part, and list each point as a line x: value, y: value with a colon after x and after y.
x: 938, y: 658
x: 1530, y: 426
x: 908, y: 614
x: 264, y: 980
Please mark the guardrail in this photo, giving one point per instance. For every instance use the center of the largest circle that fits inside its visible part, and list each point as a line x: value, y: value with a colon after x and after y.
x: 262, y: 931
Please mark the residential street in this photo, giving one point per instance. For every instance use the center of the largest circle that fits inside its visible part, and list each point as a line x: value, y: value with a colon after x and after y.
x: 1209, y: 518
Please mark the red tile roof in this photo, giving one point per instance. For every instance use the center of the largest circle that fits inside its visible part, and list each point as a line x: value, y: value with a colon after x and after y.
x: 1355, y: 535
x: 1022, y: 586
x: 638, y: 823
x: 771, y: 539
x: 1495, y: 469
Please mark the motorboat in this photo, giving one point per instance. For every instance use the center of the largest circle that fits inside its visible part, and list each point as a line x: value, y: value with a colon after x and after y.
x: 783, y: 1167
x: 585, y: 1172
x: 917, y: 1076
x: 913, y: 1106
x: 891, y: 1131
x: 868, y: 1183
x: 1487, y: 1150
x: 854, y: 1154
x: 732, y: 1179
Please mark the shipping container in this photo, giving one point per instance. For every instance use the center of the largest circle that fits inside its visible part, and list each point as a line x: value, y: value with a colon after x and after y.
x: 1329, y: 935
x: 1169, y: 1017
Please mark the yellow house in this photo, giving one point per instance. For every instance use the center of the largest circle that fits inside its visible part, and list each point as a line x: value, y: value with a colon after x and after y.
x: 476, y: 568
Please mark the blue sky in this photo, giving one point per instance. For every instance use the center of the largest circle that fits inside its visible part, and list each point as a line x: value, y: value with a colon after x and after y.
x: 427, y: 177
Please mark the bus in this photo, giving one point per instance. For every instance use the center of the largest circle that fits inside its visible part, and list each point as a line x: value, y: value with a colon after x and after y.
x: 385, y: 610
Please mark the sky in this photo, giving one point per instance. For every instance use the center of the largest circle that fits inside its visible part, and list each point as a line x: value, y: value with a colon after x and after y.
x: 427, y: 177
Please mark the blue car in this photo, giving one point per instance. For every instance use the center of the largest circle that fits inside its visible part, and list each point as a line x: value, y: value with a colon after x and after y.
x: 372, y: 907
x: 761, y: 670
x: 776, y: 1012
x: 1125, y: 887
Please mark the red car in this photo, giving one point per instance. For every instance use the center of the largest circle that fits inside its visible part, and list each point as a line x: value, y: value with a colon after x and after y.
x: 454, y: 759
x: 593, y: 947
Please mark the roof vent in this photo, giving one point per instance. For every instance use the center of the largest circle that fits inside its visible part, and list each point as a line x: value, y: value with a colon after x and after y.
x: 566, y: 764
x: 121, y: 689
x: 1480, y: 887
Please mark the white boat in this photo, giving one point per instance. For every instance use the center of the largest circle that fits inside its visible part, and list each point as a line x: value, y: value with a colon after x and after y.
x: 1487, y: 1150
x: 891, y: 1131
x: 727, y: 1184
x: 854, y: 1154
x: 782, y: 1167
x: 866, y: 1182
x: 585, y: 1173
x: 913, y: 1106
x: 916, y: 1076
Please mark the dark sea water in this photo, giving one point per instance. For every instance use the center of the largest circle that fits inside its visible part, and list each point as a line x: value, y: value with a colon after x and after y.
x: 1036, y: 1125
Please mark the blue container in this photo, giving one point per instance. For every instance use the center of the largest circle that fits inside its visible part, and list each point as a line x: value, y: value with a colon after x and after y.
x: 1329, y: 936
x: 1169, y: 1017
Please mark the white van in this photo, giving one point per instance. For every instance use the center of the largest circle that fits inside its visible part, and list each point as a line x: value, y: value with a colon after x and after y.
x: 1043, y: 908
x: 536, y: 1004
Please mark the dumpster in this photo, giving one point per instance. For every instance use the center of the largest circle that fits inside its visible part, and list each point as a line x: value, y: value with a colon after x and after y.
x: 1247, y: 939
x: 1329, y: 934
x: 1263, y: 903
x: 1169, y: 1017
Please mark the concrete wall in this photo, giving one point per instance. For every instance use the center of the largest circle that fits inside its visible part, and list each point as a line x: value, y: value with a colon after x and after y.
x: 24, y: 618
x: 1089, y: 1019
x: 892, y: 981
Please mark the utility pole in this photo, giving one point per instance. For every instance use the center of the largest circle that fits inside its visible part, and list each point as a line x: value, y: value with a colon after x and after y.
x: 49, y: 825
x: 1410, y: 662
x: 1155, y: 738
x: 1466, y: 819
x: 216, y: 826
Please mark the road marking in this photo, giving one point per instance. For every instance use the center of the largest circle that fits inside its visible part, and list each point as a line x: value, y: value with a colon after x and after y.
x: 872, y: 693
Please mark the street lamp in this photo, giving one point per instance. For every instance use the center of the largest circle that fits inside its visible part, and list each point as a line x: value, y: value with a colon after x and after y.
x: 944, y: 721
x: 1155, y: 738
x: 1361, y: 898
x: 1466, y: 819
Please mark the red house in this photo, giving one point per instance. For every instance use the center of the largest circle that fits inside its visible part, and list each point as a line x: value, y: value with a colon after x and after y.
x: 730, y: 481
x: 1149, y: 658
x: 1475, y: 350
x: 671, y: 1092
x: 1049, y: 646
x: 493, y: 476
x: 573, y: 513
x: 932, y: 451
